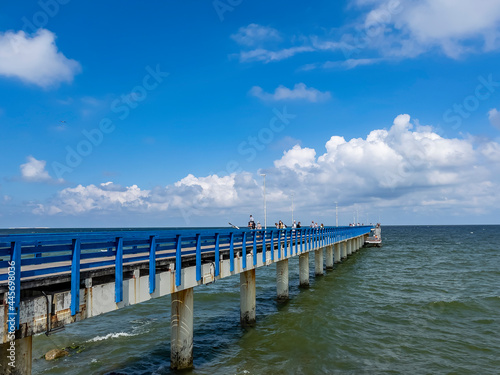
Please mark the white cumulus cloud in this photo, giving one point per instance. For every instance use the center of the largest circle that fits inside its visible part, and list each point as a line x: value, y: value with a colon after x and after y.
x: 494, y: 117
x: 408, y: 28
x: 35, y: 59
x: 299, y: 92
x: 34, y: 170
x: 254, y: 34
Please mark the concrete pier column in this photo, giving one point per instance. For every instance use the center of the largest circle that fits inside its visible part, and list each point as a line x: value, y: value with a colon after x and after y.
x: 282, y: 280
x: 344, y: 249
x: 349, y: 247
x: 304, y: 270
x: 181, y: 322
x: 318, y: 262
x: 329, y: 257
x: 336, y: 251
x: 19, y: 355
x: 247, y: 298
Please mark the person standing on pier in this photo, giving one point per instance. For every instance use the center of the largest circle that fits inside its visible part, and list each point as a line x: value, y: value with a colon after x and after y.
x: 251, y: 223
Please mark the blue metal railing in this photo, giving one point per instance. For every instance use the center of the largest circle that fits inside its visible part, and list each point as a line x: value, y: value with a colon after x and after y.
x: 46, y: 254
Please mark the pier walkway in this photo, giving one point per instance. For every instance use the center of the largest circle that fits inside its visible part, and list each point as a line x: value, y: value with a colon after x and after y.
x: 53, y: 279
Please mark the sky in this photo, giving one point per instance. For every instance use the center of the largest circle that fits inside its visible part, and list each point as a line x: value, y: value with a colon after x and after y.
x: 169, y: 113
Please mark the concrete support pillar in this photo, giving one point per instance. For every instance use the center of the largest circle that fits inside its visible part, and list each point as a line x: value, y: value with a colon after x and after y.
x: 344, y: 249
x: 329, y: 257
x: 318, y: 262
x: 19, y: 355
x: 247, y: 298
x: 304, y: 270
x: 349, y: 247
x: 181, y: 322
x: 282, y: 280
x: 336, y: 251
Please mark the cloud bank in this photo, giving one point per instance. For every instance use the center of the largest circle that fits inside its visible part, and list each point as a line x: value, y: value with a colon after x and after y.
x: 385, y: 30
x: 407, y: 168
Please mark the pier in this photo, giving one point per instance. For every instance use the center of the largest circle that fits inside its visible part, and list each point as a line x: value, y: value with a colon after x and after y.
x: 51, y: 280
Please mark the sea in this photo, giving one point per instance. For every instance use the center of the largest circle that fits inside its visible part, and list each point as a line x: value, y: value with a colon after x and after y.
x: 426, y: 302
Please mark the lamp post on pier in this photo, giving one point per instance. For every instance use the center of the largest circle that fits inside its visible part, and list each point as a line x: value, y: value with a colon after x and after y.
x: 292, y: 208
x: 265, y: 208
x: 336, y: 214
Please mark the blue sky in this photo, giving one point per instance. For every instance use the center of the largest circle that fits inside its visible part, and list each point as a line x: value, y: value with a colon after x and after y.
x: 166, y: 114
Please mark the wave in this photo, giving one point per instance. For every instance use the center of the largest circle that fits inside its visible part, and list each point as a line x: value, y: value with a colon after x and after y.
x: 111, y: 336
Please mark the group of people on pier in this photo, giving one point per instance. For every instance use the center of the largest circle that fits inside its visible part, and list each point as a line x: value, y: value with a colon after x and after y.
x: 281, y: 224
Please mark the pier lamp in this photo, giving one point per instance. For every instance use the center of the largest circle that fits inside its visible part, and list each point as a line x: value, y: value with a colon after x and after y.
x: 265, y: 208
x: 336, y: 214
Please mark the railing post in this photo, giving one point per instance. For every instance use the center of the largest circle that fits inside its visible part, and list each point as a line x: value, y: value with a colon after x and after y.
x: 244, y: 250
x: 119, y: 270
x: 254, y: 247
x: 301, y: 241
x: 284, y: 244
x: 75, y: 278
x: 178, y: 259
x: 217, y: 255
x: 264, y: 246
x: 15, y: 262
x: 198, y: 257
x: 152, y: 264
x: 279, y: 244
x: 272, y: 245
x: 231, y: 252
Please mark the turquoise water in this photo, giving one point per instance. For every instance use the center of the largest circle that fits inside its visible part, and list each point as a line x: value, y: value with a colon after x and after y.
x: 427, y: 302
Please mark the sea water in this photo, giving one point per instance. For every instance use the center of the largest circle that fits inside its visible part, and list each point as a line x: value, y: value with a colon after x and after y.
x: 427, y: 302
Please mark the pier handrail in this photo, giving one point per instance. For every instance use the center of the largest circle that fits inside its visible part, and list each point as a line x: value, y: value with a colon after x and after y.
x: 25, y: 257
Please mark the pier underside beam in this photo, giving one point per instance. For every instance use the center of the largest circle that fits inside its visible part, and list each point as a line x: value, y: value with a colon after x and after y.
x: 304, y: 270
x: 336, y: 252
x: 247, y: 298
x: 329, y: 257
x: 282, y: 280
x: 16, y: 360
x: 318, y: 262
x: 181, y: 344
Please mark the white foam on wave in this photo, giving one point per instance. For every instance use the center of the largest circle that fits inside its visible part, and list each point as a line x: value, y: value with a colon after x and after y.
x: 111, y: 336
